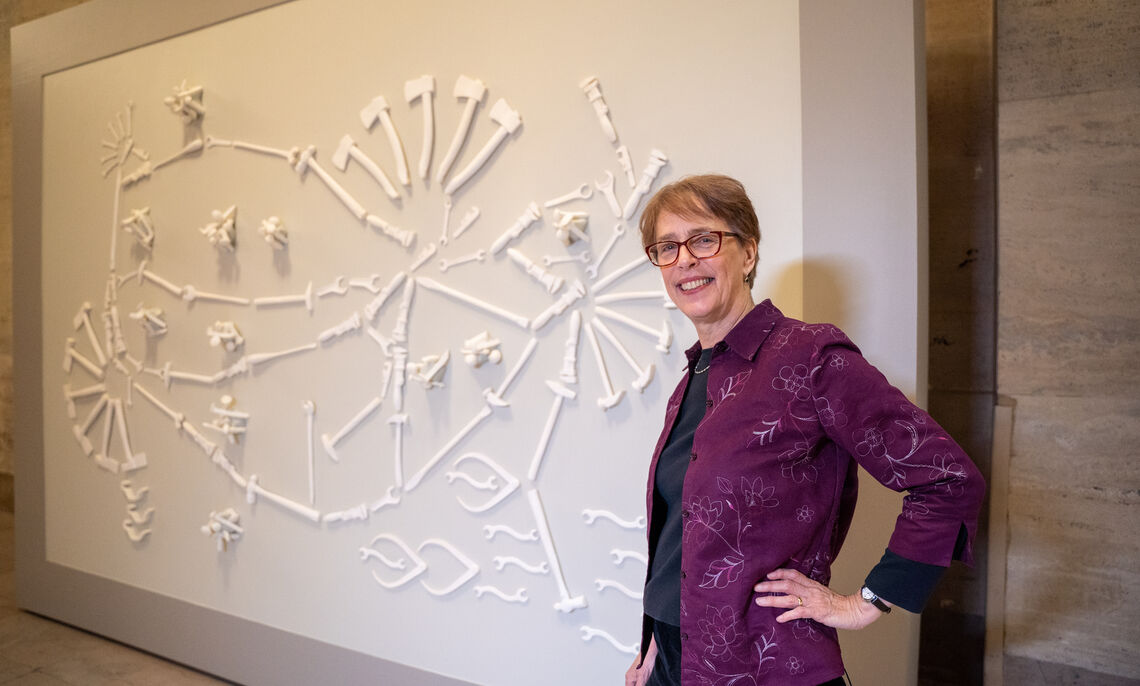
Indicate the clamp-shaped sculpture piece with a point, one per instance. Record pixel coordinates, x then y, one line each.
510 483
470 568
370 552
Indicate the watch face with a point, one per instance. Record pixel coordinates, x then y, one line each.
867 594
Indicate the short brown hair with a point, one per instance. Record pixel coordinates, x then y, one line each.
707 195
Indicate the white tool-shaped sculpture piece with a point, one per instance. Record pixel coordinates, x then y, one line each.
372 308
71 396
573 294
626 296
478 256
430 370
644 373
569 372
470 568
593 92
528 217
561 393
589 632
657 160
423 89
626 163
620 556
306 160
592 269
481 415
510 483
377 110
603 584
305 299
566 602
481 349
274 233
466 222
348 149
350 324
492 530
370 553
223 527
221 232
474 302
608 280
139 225
471 92
606 186
582 192
663 336
151 319
592 515
227 421
82 320
70 355
503 561
612 396
226 335
330 442
509 121
186 102
310 410
551 282
400 331
497 397
518 596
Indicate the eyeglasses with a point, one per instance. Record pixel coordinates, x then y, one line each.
701 246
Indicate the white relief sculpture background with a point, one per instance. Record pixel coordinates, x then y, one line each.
391 369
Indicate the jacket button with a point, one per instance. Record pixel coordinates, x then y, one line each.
693 456
708 402
684 637
683 575
720 347
684 514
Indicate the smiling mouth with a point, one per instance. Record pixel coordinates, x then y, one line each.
697 283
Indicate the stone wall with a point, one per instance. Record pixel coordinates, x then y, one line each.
1068 91
12 12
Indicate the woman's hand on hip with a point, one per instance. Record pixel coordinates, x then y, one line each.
637 676
808 599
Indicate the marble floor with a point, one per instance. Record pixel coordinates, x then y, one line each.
39 652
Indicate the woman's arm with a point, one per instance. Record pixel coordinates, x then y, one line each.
638 672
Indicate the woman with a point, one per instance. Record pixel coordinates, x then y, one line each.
753 481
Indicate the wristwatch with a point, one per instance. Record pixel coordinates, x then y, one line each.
870 597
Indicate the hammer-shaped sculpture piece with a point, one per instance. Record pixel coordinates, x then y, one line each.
70 354
422 89
644 375
471 91
348 149
83 319
509 121
612 397
664 336
378 110
566 602
306 161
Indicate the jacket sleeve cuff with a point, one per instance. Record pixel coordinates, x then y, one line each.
902 582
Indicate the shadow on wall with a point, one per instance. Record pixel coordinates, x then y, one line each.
826 284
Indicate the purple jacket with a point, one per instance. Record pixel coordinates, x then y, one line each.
792 409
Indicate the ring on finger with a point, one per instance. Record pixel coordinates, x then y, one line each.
799 601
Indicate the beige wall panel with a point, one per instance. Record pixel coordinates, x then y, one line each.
1066 46
1072 581
1070 204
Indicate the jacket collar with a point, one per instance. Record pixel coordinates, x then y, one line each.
747 336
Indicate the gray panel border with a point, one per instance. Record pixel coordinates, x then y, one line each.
245 651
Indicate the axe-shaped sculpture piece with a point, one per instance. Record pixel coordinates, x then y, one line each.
378 110
471 91
509 121
423 88
347 149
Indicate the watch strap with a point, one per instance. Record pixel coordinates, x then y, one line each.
874 599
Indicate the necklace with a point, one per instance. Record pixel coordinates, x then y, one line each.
708 362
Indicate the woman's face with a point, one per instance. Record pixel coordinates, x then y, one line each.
710 292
